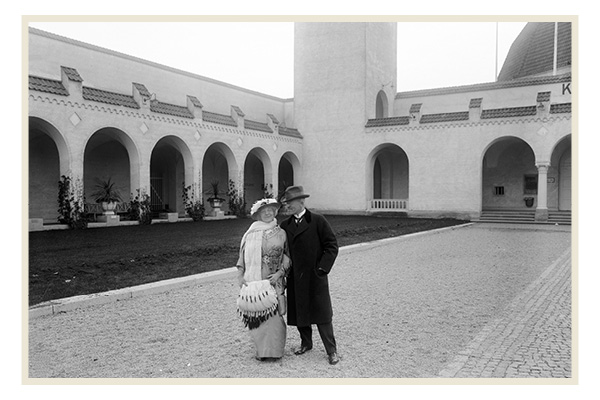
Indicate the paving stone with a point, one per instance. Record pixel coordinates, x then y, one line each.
468 302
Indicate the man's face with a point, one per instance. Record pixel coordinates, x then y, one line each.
295 206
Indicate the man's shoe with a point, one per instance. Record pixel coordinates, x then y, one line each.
303 349
333 358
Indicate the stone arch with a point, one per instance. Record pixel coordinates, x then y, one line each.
171 167
48 159
258 174
288 171
111 153
509 174
219 165
559 176
387 185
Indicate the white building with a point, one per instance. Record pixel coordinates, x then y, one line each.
354 143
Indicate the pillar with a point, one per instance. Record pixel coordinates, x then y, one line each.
541 212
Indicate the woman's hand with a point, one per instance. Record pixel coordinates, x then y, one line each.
273 278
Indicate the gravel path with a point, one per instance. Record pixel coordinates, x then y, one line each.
402 309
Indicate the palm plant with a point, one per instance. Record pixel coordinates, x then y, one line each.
106 192
215 191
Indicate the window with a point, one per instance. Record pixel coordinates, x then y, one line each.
498 190
381 105
530 184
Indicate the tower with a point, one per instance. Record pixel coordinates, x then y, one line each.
344 74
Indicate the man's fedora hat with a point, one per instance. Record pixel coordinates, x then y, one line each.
292 193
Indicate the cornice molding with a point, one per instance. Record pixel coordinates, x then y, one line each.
499 121
130 113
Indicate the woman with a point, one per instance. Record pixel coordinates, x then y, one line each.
262 266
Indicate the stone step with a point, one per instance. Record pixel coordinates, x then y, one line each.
523 216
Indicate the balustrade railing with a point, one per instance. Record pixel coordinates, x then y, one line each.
387 205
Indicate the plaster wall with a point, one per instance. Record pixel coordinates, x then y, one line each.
109 70
446 162
335 87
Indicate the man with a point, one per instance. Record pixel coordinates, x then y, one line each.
313 249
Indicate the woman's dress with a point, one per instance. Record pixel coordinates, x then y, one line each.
269 337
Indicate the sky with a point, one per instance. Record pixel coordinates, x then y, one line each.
260 55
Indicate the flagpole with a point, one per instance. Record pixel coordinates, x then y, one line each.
496 71
555 48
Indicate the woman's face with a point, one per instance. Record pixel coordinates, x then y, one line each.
267 214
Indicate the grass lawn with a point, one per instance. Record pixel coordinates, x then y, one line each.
75 262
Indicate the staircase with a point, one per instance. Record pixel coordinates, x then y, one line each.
523 217
560 217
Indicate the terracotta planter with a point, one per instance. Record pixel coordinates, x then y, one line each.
109 207
216 203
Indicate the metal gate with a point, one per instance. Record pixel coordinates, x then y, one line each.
156 194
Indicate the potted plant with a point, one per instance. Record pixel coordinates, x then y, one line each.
528 201
107 195
215 201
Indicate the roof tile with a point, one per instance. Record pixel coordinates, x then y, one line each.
509 112
543 96
142 89
532 52
285 131
445 117
387 121
170 109
560 108
47 85
218 118
257 126
72 74
415 108
475 103
238 111
195 101
103 96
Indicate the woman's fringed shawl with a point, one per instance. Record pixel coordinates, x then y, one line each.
257 300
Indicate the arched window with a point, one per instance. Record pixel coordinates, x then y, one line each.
381 105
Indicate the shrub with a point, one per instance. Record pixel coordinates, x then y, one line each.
139 208
71 203
193 202
267 191
237 203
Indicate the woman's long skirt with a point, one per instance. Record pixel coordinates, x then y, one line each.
269 337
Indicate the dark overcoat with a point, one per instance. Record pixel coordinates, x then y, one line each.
313 249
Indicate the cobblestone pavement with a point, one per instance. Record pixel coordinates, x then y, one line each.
477 301
531 339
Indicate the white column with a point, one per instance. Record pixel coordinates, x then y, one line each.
541 212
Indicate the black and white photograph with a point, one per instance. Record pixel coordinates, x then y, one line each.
300 200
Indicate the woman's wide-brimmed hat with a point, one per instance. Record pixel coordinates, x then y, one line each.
262 203
292 193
